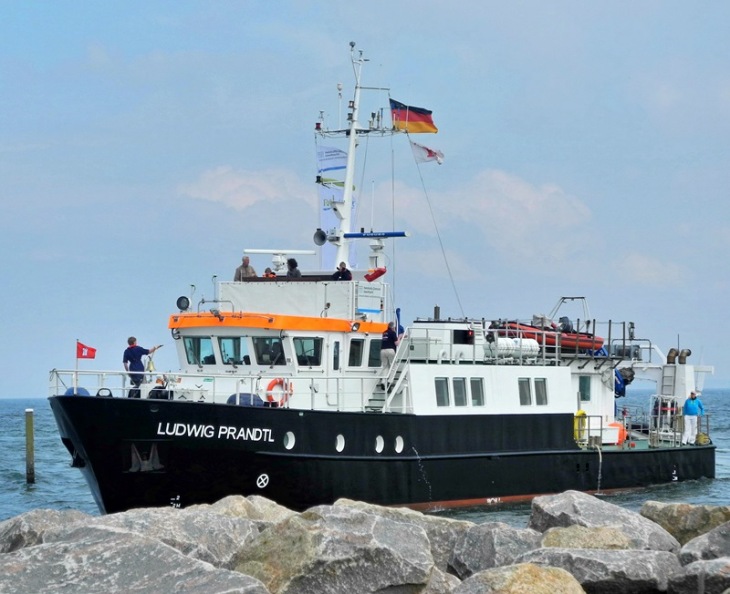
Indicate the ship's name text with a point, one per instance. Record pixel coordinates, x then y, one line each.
211 431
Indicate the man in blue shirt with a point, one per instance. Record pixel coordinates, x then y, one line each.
691 410
133 362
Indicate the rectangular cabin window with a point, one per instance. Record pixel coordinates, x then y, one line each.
463 336
199 350
374 352
584 388
357 348
308 350
541 391
459 391
442 391
525 391
336 356
234 350
269 350
477 391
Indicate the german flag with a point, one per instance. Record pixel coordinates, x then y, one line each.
411 119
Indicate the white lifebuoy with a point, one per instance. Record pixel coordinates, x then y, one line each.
287 389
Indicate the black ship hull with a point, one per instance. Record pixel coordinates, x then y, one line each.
141 453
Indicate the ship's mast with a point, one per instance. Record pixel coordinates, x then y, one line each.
345 212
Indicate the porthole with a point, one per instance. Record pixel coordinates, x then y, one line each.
398 444
379 444
340 445
289 440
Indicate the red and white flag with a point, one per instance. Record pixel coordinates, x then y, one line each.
84 352
424 154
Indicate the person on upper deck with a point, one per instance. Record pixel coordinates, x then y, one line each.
244 271
342 273
133 363
268 273
293 269
388 346
691 410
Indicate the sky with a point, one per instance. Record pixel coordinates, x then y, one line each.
145 145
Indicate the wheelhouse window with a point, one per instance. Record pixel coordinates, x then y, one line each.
541 398
459 391
442 391
269 350
525 391
374 353
357 348
308 350
199 350
336 355
477 391
234 350
584 388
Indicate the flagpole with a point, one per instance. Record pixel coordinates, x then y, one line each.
76 373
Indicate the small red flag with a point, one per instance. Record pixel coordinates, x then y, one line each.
84 352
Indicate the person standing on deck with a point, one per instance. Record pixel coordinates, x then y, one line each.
387 348
133 363
691 410
244 271
342 273
293 269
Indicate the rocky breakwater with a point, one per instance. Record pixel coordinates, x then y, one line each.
573 543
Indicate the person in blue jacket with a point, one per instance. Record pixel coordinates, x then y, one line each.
691 410
133 362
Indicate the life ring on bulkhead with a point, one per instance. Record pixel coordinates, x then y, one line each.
287 389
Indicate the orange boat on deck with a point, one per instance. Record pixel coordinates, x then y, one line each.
578 341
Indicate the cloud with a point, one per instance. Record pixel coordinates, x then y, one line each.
241 189
647 270
520 220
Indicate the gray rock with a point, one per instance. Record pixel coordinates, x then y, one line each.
443 533
200 534
580 537
334 549
600 571
28 529
575 508
705 577
491 545
103 560
438 583
712 545
524 578
254 507
684 521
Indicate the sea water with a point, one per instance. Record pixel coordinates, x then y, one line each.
59 486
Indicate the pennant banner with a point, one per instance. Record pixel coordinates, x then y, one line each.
84 352
411 119
423 154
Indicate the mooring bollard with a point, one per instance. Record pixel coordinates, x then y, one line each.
29 449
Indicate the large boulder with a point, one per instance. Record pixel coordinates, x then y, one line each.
254 507
199 534
580 537
524 578
492 544
339 549
712 545
28 529
442 533
705 577
600 570
575 508
110 559
684 521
